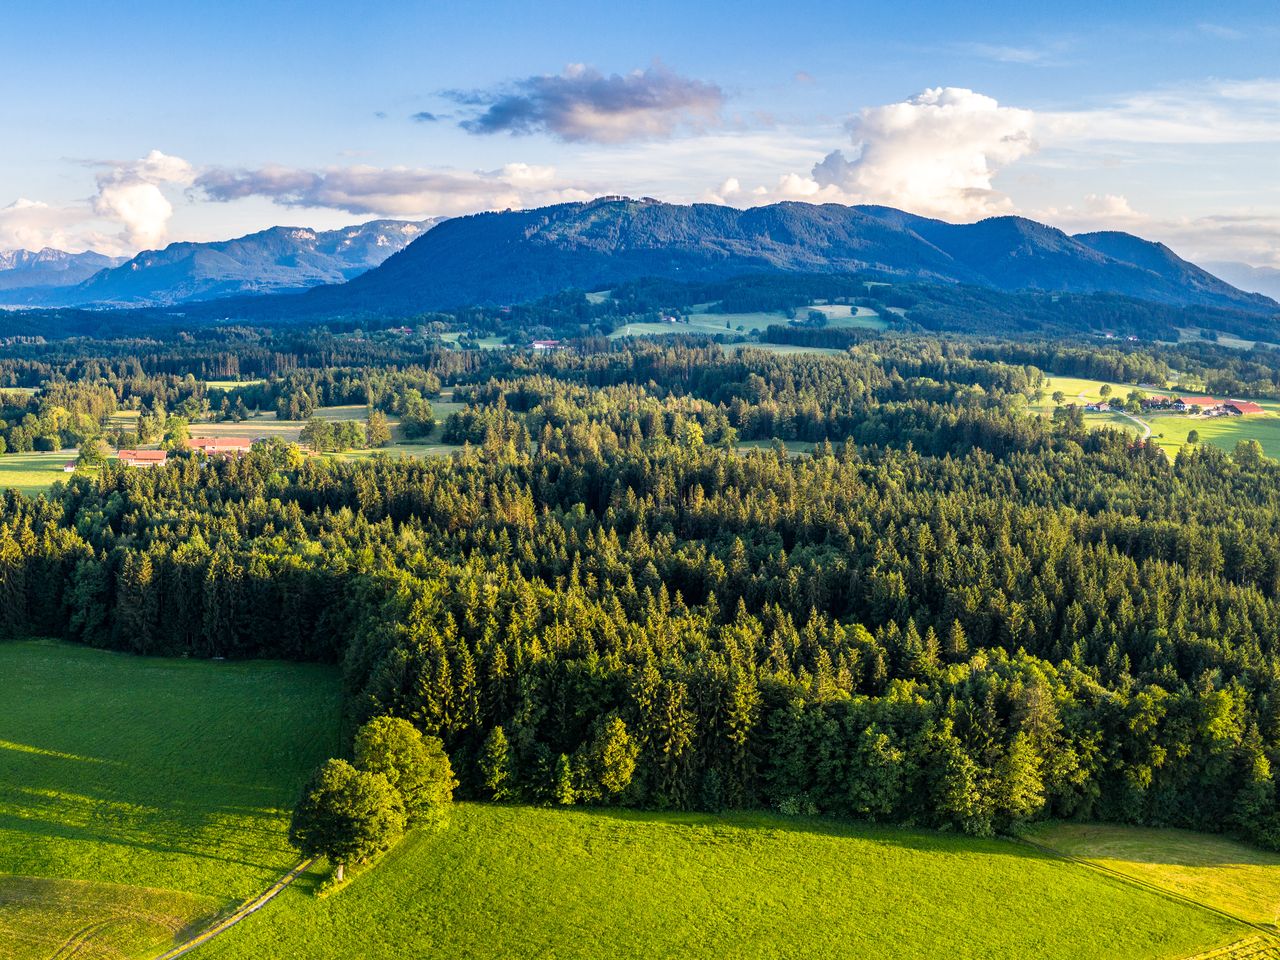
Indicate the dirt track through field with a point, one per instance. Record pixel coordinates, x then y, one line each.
253 906
1146 427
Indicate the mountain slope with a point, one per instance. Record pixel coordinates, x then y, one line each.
49 267
281 259
1158 259
519 255
1263 280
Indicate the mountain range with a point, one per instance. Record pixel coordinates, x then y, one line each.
277 260
34 269
1264 280
393 267
512 256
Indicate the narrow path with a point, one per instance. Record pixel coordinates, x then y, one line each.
1146 427
225 924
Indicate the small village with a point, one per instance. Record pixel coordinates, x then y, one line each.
1186 405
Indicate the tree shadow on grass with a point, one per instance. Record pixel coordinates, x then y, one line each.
764 822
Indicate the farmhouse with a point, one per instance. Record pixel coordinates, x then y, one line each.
545 344
1241 408
221 446
1206 404
69 467
142 458
1155 402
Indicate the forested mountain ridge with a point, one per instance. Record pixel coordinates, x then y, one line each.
515 256
280 259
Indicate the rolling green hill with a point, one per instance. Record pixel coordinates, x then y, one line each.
520 882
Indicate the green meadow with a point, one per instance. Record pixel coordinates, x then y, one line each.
702 321
1169 430
1212 870
33 473
520 882
140 797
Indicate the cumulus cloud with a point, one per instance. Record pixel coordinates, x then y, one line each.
393 191
1097 211
582 104
129 209
936 153
32 225
424 116
130 193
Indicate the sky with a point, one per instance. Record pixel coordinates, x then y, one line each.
129 124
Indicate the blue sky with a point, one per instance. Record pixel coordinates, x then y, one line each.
133 124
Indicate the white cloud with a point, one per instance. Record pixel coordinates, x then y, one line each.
130 193
393 191
32 225
936 153
1218 112
129 210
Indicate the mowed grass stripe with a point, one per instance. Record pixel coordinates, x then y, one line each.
517 882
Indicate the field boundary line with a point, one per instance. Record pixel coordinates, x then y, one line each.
245 910
1270 932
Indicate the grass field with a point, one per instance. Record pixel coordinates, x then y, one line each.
1214 870
33 473
702 321
139 796
518 882
231 384
1170 430
484 343
843 315
711 324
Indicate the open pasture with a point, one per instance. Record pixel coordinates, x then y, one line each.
33 473
522 882
141 796
1213 870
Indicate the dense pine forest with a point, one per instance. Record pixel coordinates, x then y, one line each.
865 584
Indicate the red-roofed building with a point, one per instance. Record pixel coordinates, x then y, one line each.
1242 408
221 446
142 458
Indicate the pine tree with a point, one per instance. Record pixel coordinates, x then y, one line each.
495 765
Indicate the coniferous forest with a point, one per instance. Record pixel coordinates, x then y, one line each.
661 574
